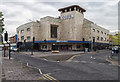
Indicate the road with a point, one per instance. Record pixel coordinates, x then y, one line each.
92 66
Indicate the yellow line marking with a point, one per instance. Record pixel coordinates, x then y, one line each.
50 77
43 77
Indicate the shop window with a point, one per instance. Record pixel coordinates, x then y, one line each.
44 46
54 31
78 46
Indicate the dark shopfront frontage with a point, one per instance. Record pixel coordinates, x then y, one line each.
62 45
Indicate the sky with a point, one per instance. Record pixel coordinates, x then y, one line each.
18 12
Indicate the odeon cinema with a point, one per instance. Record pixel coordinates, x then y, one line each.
70 31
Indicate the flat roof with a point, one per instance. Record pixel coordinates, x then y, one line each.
72 7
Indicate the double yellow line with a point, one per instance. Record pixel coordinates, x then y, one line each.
46 76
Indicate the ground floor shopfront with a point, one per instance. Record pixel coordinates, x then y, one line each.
63 45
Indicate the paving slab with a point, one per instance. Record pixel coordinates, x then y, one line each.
14 70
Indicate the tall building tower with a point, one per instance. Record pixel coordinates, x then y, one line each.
72 21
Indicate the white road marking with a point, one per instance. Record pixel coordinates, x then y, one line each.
40 71
27 63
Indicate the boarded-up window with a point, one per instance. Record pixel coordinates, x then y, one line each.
54 31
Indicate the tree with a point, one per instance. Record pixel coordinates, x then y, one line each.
1 23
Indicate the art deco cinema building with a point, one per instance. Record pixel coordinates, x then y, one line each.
70 31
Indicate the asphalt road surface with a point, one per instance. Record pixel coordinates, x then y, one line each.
92 66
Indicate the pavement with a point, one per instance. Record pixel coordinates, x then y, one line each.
42 54
13 70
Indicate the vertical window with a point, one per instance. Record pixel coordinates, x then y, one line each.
22 31
93 39
28 37
98 38
22 37
105 39
28 29
54 31
101 38
98 31
102 32
93 30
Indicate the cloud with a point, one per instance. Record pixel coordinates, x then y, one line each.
18 13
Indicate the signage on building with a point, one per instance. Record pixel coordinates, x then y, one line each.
67 17
111 42
61 41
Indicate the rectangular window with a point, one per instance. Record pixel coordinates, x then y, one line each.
93 39
28 37
105 39
98 31
28 29
101 38
98 38
102 32
22 37
54 31
18 32
22 31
